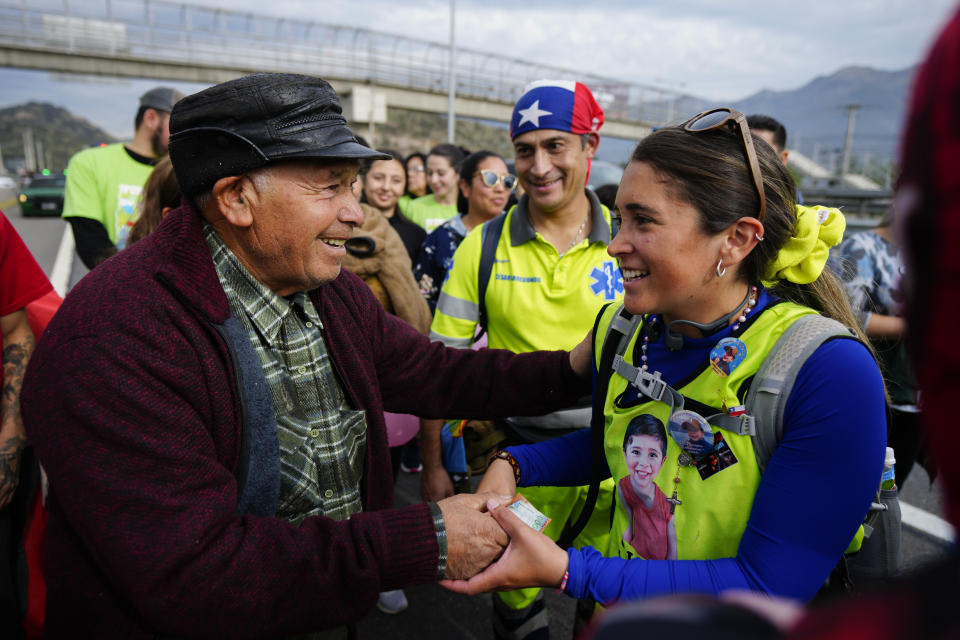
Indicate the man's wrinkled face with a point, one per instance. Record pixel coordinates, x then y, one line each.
303 213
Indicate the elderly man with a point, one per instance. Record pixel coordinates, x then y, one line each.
209 404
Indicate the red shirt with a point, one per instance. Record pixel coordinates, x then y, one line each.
649 525
21 278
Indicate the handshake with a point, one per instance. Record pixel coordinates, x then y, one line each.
489 547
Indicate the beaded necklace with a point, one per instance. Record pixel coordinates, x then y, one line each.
652 321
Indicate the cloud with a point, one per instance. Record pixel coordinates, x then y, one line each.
718 51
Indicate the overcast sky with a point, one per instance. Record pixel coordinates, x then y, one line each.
722 51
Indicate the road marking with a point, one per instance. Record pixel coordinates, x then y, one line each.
9 203
926 522
60 275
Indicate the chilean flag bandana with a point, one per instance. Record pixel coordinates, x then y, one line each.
556 104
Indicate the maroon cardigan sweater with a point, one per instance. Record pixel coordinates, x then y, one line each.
132 403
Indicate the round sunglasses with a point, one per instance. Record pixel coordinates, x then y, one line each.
491 179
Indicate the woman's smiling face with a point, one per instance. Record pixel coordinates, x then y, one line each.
441 175
667 260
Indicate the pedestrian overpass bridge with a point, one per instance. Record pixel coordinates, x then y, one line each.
167 40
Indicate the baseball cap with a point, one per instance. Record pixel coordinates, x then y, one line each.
161 98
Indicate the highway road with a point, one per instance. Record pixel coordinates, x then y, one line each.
925 535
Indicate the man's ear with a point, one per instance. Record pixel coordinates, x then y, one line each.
151 118
231 201
593 141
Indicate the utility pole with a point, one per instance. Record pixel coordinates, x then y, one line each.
371 116
452 89
29 158
848 143
41 164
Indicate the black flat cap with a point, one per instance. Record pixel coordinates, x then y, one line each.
247 123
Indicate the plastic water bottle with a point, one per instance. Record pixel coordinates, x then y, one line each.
889 478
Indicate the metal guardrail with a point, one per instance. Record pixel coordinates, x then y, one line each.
166 31
863 208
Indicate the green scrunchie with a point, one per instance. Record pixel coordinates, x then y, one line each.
803 257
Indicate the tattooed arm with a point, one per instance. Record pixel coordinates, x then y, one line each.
17 347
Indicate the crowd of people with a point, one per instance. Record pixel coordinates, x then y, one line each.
275 309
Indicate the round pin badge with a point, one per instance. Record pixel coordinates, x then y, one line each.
727 356
691 432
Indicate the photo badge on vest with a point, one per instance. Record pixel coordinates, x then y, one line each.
709 451
727 356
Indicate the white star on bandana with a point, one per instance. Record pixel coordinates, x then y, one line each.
532 114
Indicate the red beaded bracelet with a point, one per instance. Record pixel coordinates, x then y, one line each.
563 583
505 455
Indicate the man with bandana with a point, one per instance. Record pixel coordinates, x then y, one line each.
102 196
551 275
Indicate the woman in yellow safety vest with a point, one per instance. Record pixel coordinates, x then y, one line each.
718 262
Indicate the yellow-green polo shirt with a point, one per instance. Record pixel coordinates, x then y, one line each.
536 298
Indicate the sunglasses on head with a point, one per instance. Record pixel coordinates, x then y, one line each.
724 116
491 179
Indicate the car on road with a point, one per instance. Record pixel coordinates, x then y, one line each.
603 172
43 196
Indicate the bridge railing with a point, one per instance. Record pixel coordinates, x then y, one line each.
175 33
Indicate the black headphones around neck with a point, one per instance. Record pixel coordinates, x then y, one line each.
674 341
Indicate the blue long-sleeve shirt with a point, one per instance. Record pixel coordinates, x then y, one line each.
812 497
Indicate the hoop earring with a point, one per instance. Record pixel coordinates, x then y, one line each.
721 272
758 237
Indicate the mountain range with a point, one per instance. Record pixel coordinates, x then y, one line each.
816 114
59 132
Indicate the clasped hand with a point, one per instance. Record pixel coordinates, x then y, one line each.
474 538
531 559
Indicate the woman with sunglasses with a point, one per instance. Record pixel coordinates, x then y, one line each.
485 188
714 251
416 168
443 174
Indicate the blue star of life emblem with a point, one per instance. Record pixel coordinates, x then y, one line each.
607 280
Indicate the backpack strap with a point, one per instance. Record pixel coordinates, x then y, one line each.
767 398
491 233
615 341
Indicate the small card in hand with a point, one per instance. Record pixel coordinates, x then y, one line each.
528 513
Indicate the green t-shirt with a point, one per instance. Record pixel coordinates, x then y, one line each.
404 203
428 213
104 184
